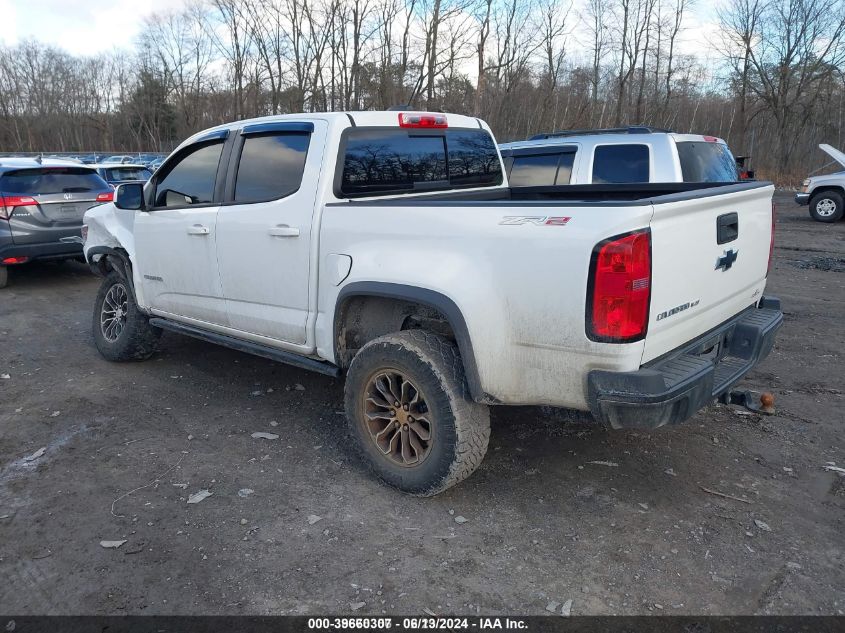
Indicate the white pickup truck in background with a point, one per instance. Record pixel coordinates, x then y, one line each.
825 193
387 246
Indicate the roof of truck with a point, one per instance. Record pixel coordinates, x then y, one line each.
364 118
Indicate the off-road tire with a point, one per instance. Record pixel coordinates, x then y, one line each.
4 276
138 339
823 202
461 426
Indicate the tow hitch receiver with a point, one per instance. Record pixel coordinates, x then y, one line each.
764 405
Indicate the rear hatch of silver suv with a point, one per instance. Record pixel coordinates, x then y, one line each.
46 204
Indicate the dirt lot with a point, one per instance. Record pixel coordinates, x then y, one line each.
127 444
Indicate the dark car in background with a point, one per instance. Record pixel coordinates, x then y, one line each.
41 207
117 174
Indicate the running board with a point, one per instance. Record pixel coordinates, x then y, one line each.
256 349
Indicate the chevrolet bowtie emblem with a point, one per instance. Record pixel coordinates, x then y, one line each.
727 260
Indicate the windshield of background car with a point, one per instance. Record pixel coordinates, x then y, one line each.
390 161
704 161
52 180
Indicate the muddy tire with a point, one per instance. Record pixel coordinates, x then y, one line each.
827 206
121 331
411 413
4 276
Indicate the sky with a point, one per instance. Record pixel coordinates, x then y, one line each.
88 27
81 27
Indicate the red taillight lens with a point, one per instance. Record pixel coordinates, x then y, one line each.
421 119
7 203
771 242
22 259
620 289
105 197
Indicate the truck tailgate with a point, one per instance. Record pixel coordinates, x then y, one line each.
709 259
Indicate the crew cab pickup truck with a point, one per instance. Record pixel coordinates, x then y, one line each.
387 247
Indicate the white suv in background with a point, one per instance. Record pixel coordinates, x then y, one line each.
617 156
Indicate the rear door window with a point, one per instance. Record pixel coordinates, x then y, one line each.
190 180
48 180
620 164
271 166
703 161
401 161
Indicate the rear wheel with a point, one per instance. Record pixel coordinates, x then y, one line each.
121 331
827 206
411 413
4 276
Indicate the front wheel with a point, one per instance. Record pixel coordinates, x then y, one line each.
121 331
827 206
411 414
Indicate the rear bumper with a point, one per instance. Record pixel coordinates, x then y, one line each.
48 250
672 388
802 198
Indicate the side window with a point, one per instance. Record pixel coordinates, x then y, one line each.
271 166
190 180
620 164
534 171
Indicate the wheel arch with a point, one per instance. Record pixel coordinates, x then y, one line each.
411 295
113 259
822 188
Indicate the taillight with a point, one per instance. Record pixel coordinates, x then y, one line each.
8 203
105 197
619 288
771 241
20 259
421 119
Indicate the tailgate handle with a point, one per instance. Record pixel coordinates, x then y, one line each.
727 228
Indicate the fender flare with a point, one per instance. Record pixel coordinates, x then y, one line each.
118 260
423 296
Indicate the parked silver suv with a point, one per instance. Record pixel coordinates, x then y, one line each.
41 207
618 156
825 194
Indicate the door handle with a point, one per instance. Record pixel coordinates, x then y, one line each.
198 229
283 230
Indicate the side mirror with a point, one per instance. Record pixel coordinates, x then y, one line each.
129 196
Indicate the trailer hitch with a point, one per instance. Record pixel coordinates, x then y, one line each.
764 404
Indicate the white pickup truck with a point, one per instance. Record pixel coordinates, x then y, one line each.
387 246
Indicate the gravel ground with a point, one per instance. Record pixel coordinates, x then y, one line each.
561 509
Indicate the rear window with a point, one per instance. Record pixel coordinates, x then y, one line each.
702 161
620 164
52 180
400 161
541 170
127 173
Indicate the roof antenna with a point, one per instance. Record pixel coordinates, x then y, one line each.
38 159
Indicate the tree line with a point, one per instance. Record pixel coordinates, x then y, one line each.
771 82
